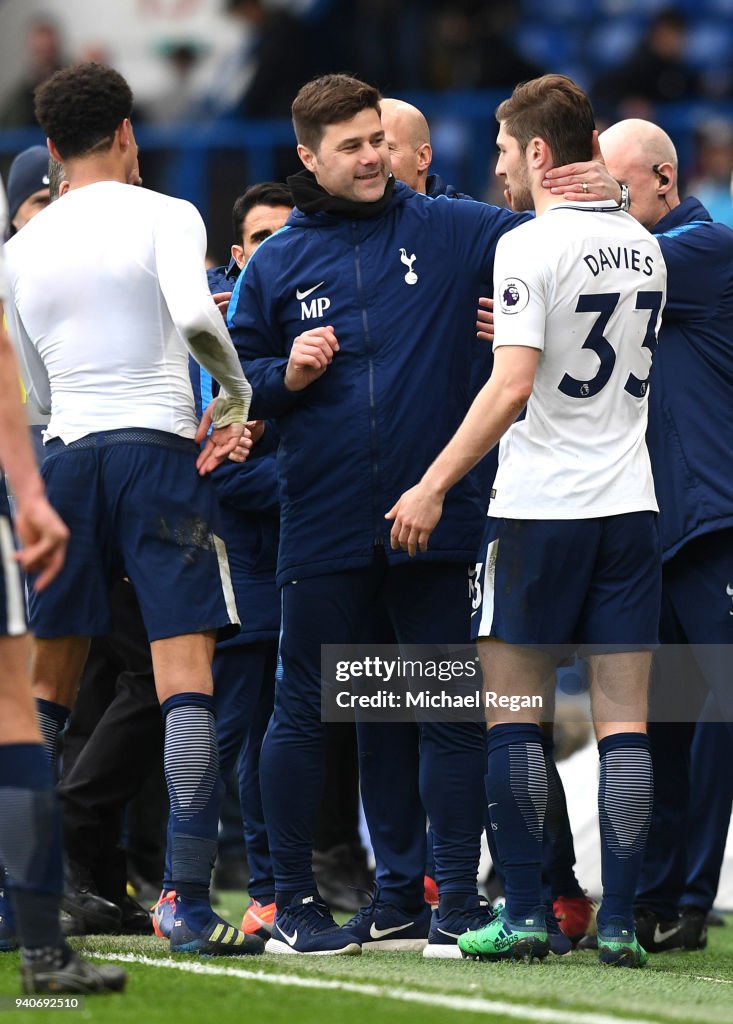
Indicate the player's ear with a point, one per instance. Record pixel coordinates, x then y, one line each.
54 152
538 153
124 133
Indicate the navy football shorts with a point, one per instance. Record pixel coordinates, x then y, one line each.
12 597
570 582
135 506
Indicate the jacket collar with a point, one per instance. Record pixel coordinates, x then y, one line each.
299 218
689 209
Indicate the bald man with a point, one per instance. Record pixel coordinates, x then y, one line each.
690 440
647 158
408 138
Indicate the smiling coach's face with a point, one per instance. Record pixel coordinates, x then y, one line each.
352 161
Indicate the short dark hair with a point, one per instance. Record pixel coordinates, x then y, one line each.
555 109
266 193
80 107
329 99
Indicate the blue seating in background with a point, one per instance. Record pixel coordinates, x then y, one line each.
553 47
710 43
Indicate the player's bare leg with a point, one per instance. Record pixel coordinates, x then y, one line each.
18 723
57 666
619 691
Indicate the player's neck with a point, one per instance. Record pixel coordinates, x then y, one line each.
90 170
542 198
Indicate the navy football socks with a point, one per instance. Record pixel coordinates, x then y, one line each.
31 844
52 719
191 761
516 786
625 796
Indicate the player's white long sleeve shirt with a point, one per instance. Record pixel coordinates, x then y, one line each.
108 295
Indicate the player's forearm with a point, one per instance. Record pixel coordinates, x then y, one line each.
493 411
216 353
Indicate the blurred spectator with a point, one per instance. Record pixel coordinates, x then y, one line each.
714 163
44 56
655 72
384 42
263 75
472 47
175 99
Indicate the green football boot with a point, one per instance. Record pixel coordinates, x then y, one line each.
505 938
618 946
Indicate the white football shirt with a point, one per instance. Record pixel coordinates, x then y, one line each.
106 283
586 286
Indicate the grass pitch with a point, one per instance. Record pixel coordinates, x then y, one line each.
393 987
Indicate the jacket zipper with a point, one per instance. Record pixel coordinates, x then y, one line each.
372 403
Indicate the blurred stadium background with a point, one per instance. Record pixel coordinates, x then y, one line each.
213 79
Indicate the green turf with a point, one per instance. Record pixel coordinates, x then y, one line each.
671 989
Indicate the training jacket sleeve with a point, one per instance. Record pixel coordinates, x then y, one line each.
480 226
252 320
698 271
250 486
